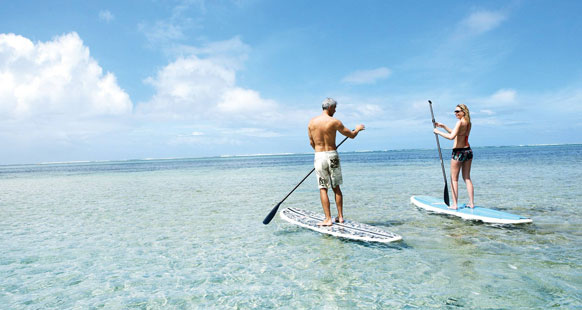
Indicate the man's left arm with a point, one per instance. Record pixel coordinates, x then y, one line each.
350 133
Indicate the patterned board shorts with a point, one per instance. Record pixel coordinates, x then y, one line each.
462 154
328 169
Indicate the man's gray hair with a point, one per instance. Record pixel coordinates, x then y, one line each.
328 103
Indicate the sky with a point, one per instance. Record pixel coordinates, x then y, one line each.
118 80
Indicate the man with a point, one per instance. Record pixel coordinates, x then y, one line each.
322 130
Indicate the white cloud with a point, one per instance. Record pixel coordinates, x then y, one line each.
361 111
239 100
256 132
480 22
57 79
56 101
188 88
185 16
367 76
223 136
162 32
567 101
460 53
106 16
485 112
501 98
230 53
195 88
504 96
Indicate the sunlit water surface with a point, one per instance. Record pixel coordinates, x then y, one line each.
188 234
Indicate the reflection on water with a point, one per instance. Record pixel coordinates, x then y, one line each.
188 233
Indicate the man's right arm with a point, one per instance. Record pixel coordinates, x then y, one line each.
349 133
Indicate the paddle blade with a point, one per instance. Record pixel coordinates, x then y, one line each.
446 195
270 216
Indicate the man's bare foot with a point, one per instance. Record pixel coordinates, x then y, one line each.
325 223
452 208
339 219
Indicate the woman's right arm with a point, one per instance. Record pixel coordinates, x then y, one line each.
443 126
452 133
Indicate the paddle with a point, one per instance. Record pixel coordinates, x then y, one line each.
446 194
271 214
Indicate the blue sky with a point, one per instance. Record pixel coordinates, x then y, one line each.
107 80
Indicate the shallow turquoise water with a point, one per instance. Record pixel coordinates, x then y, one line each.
187 234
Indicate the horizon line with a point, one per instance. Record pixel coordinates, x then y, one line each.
263 155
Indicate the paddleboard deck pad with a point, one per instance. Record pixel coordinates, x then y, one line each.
348 229
477 214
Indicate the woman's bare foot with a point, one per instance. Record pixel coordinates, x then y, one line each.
326 222
339 219
452 208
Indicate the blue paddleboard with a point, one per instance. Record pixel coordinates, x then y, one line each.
477 214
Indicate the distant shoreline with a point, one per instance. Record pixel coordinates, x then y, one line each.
267 155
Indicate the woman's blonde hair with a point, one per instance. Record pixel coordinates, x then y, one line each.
467 116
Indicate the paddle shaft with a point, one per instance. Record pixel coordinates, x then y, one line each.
446 194
271 214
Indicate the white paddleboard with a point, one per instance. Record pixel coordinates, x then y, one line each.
348 229
485 215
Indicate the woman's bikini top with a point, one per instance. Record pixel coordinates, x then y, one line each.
466 135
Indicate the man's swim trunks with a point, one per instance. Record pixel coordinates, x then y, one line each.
462 154
328 169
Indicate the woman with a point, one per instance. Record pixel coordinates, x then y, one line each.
462 154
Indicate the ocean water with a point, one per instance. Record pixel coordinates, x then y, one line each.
188 234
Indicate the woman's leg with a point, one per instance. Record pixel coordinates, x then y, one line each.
467 177
455 168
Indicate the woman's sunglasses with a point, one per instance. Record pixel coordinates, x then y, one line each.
458 111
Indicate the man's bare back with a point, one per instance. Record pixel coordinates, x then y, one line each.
322 131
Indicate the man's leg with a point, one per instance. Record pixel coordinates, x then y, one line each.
339 202
325 205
